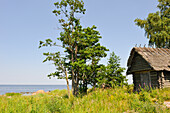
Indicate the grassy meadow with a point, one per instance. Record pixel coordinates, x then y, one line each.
116 100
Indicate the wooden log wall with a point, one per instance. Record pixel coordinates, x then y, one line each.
160 83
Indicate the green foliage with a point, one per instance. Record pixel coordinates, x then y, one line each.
111 75
13 94
98 101
144 96
66 11
157 25
82 50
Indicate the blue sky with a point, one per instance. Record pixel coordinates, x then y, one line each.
23 23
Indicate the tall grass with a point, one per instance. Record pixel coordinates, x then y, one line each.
116 100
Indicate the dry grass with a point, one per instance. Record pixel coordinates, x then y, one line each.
101 100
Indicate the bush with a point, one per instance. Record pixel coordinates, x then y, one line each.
13 94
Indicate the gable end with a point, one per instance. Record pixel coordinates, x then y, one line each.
138 63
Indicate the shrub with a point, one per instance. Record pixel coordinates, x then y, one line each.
13 94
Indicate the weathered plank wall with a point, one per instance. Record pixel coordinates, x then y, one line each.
166 81
149 78
136 81
139 64
154 79
145 79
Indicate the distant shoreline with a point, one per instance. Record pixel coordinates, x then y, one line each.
29 88
33 84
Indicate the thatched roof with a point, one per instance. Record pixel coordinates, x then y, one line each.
157 58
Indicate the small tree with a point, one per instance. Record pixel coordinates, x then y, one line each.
157 25
81 45
111 75
61 67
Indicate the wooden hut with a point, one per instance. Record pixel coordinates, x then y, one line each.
149 67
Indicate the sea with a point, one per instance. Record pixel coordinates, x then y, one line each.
28 89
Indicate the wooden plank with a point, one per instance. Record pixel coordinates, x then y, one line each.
139 64
154 79
145 79
167 82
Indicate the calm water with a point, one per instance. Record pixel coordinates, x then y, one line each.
29 88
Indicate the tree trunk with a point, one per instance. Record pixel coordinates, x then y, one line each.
77 83
94 85
76 77
74 80
72 71
67 84
85 87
